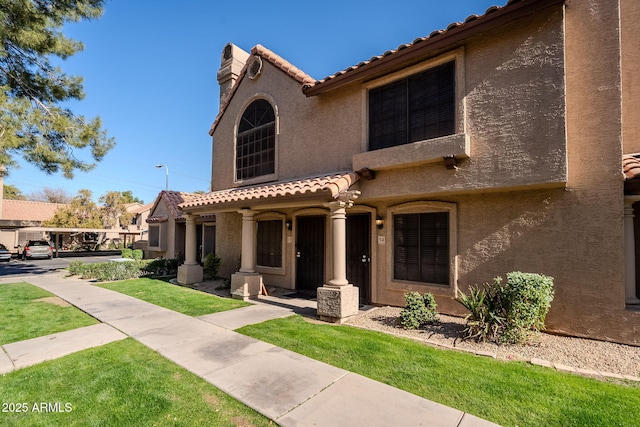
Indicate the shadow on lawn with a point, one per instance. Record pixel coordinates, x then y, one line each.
451 330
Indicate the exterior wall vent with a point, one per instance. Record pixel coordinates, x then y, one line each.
255 68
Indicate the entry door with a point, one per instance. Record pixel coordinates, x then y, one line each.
359 252
310 252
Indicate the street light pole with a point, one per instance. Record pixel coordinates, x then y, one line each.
166 168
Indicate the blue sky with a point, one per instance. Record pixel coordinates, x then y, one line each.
149 69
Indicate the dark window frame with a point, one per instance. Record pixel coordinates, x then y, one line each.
419 107
422 247
269 238
256 141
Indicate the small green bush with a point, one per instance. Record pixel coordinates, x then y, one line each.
420 310
137 254
126 253
211 266
76 267
510 312
162 267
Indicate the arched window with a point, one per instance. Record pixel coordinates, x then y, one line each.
255 146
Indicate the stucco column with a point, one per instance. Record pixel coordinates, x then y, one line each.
630 252
246 283
190 241
190 272
338 299
248 259
339 243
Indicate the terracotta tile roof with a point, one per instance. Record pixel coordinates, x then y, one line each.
273 58
631 166
172 200
333 185
422 45
25 210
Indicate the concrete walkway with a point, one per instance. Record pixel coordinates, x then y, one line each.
291 389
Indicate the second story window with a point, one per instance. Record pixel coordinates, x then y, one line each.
255 145
416 108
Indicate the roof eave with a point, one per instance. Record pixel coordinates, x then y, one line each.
512 11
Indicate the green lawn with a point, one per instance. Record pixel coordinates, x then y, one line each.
177 298
508 393
23 317
119 384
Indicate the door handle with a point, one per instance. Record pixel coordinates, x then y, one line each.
298 254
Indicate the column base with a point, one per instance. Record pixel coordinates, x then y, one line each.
189 274
246 286
336 304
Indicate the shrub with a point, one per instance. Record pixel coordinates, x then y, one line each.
162 267
137 253
419 311
211 266
106 271
526 299
76 267
508 313
484 320
126 253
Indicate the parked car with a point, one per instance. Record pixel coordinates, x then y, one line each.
5 254
35 249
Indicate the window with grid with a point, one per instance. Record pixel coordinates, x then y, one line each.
421 247
413 109
255 146
269 244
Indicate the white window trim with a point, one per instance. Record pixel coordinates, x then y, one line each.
263 178
425 207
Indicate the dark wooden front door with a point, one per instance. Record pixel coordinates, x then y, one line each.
359 252
310 252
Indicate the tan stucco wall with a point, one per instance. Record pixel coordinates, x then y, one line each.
630 63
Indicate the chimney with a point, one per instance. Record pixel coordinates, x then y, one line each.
3 172
233 59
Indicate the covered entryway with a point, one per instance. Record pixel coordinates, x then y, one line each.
310 245
359 253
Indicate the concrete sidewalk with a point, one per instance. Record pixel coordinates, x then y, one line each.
291 389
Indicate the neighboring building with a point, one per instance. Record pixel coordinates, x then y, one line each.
495 145
18 217
166 228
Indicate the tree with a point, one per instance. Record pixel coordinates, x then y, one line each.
33 120
129 198
82 212
51 195
11 192
114 211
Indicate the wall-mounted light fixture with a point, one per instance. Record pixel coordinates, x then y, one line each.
288 224
379 222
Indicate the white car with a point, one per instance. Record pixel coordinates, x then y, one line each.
35 249
5 254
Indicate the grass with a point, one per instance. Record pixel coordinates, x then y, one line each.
507 393
119 384
23 317
183 300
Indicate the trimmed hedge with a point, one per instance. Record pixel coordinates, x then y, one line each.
107 271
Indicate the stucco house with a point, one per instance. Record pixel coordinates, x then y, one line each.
166 228
491 146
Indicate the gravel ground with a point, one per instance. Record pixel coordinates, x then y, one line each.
562 352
